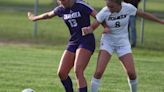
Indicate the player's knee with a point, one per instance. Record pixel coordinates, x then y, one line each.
62 75
98 75
79 73
132 75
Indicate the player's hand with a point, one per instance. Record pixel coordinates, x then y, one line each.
106 30
86 30
162 21
31 16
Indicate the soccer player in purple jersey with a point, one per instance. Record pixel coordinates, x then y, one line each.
76 15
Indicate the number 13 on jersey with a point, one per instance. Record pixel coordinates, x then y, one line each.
72 22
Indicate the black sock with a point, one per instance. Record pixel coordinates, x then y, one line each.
67 84
83 89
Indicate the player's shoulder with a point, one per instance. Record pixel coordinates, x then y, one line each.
82 3
59 10
59 7
127 5
103 14
105 10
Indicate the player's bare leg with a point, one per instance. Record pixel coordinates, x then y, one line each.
127 61
102 62
66 64
81 61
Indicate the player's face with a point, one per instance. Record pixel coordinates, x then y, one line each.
65 3
112 5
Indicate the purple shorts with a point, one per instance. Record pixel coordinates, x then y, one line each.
86 43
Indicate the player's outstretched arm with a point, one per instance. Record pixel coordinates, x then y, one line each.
91 28
106 28
93 14
149 16
95 25
46 15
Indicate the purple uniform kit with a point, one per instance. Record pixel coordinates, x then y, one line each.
77 17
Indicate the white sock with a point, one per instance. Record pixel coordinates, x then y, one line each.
95 84
133 85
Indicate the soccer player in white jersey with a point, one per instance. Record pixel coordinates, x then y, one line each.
116 15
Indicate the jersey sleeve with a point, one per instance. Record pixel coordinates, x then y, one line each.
58 11
101 16
132 9
86 8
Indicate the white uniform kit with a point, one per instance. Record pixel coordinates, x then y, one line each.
118 39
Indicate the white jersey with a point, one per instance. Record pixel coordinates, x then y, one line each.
118 24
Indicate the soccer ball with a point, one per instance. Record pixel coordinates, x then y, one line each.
28 90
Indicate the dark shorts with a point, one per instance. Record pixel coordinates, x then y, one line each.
86 43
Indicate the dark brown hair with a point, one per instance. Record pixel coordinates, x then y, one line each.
118 1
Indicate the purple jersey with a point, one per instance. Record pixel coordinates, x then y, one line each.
76 17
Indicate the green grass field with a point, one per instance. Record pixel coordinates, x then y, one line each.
32 62
26 66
